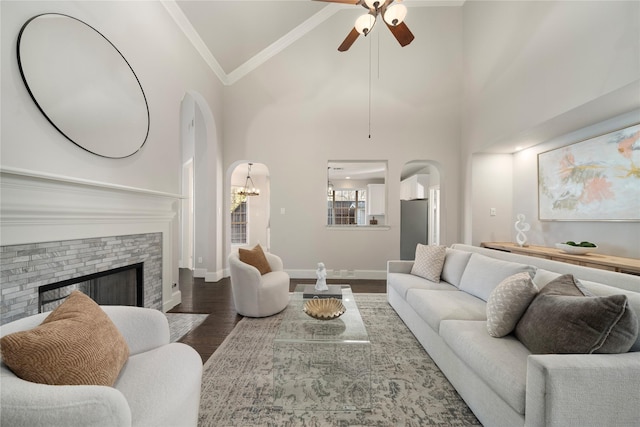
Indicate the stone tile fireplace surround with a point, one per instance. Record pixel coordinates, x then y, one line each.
53 228
27 267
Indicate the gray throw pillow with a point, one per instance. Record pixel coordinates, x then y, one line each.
562 319
429 261
507 302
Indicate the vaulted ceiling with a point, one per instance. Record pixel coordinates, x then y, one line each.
236 36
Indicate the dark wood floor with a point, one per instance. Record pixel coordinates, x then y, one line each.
215 299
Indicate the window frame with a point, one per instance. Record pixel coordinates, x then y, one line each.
359 214
237 201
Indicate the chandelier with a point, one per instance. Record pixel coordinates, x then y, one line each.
248 190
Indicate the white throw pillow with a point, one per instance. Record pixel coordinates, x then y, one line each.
482 274
429 261
508 302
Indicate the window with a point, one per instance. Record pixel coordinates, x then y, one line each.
346 207
239 219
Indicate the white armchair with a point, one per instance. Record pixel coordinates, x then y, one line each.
256 295
159 385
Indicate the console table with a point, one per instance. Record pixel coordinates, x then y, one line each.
594 260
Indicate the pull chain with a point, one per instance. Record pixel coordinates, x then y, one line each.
370 88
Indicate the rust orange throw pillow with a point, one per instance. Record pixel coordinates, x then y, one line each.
256 258
77 344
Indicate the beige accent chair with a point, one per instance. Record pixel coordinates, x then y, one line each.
256 295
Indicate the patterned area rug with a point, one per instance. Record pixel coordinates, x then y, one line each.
407 388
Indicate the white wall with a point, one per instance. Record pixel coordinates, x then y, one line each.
492 188
528 62
535 72
614 238
294 115
531 69
167 66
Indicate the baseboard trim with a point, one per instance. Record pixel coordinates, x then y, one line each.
215 276
340 274
176 298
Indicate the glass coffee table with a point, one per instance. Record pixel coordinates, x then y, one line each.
322 364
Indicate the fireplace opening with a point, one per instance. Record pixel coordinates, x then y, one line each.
118 286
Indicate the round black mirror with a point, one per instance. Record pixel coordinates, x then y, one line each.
83 85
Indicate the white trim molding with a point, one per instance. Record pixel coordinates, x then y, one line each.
38 207
276 47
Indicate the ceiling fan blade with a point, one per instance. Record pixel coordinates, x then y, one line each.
402 33
351 37
341 1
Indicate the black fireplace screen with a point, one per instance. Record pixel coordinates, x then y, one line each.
118 286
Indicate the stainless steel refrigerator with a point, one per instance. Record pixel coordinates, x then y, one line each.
414 219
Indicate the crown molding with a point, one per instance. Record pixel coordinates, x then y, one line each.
285 41
279 45
185 25
273 49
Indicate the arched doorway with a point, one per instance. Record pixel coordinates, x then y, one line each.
248 216
200 229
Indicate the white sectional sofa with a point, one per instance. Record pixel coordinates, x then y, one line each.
503 383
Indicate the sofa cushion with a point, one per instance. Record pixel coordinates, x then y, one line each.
561 319
77 344
483 274
402 282
429 261
455 262
508 302
435 306
256 258
500 362
543 277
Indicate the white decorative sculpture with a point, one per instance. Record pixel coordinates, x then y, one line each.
321 273
521 227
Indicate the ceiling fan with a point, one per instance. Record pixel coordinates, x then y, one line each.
392 13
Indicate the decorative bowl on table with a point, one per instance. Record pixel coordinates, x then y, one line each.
324 308
576 249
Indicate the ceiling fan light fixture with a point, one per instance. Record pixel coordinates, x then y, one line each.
364 23
395 14
373 4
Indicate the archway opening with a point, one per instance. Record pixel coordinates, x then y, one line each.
249 215
200 244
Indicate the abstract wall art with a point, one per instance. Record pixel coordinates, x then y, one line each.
593 180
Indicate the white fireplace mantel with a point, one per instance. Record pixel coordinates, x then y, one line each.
39 207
